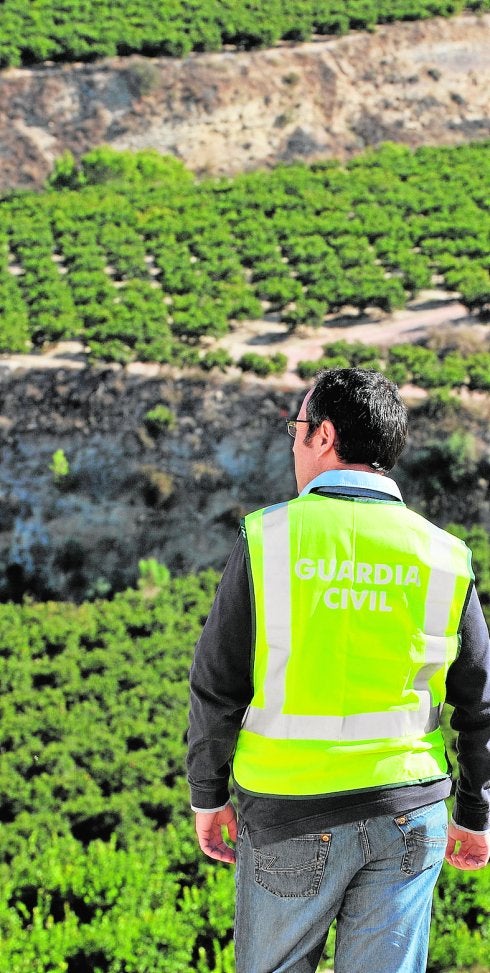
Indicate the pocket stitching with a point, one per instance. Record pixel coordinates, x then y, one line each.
316 867
413 840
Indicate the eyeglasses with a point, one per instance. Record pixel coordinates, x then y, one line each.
291 426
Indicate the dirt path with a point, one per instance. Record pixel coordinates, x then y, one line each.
431 311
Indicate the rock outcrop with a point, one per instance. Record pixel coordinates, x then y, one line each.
133 491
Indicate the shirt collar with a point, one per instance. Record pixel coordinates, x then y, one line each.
354 478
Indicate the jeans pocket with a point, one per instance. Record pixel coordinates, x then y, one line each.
292 868
424 832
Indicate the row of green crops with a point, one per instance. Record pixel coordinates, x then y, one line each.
100 868
133 256
403 363
37 30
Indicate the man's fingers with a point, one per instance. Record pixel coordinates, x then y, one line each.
209 833
466 850
451 844
221 852
232 825
465 859
218 849
466 863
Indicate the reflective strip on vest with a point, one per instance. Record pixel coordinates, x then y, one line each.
277 609
271 721
359 726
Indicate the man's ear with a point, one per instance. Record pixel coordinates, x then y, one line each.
326 437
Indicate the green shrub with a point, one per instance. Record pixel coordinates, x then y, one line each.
263 365
279 291
306 311
65 173
357 353
397 372
160 418
185 356
475 289
153 574
479 371
453 371
59 465
309 369
219 358
440 403
110 350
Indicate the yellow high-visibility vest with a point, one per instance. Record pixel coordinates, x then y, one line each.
357 608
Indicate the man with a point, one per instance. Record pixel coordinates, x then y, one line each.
341 622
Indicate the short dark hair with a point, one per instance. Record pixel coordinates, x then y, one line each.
367 412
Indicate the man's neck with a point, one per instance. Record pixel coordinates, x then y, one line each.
357 467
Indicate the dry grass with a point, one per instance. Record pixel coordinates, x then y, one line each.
466 339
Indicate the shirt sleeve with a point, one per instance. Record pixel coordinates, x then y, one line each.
220 685
468 690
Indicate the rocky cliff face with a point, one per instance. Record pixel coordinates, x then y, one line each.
132 491
176 493
416 83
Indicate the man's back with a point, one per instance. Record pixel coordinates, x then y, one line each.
323 664
357 606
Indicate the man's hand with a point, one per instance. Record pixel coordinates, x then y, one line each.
473 849
209 833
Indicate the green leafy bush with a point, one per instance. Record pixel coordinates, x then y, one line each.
440 403
279 291
219 358
479 370
153 574
309 369
262 364
59 465
357 354
160 418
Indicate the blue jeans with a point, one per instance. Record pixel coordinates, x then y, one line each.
376 877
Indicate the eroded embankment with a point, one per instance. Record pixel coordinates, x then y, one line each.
175 490
421 83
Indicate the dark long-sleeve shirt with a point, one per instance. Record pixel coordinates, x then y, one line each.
221 689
